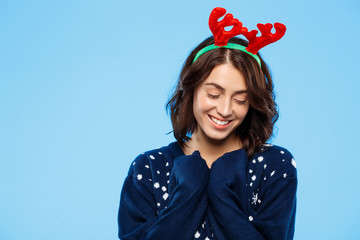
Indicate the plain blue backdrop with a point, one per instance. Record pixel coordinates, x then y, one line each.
83 86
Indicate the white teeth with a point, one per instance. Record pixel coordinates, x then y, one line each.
219 122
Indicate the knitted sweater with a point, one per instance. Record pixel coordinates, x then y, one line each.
171 196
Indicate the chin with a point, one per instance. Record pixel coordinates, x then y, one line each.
219 138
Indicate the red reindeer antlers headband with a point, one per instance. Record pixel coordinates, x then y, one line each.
221 36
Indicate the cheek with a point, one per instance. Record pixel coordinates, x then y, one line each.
242 111
202 103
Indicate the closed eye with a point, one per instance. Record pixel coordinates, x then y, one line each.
213 96
240 101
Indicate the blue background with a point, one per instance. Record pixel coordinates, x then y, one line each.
83 86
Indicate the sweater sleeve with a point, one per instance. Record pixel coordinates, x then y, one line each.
138 218
274 217
230 212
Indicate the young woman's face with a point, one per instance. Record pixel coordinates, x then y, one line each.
220 103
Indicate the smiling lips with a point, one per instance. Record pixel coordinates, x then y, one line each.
219 124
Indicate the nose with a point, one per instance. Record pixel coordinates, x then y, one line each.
224 108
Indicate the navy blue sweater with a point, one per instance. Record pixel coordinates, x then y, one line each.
168 196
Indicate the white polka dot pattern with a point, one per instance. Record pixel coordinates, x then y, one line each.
261 169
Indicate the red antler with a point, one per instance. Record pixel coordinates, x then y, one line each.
221 36
256 43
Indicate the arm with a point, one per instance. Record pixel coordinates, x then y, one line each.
275 217
138 218
230 212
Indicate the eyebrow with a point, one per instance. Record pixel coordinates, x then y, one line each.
223 89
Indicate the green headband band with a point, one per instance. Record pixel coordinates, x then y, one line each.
229 45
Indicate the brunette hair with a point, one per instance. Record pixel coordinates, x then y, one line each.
258 124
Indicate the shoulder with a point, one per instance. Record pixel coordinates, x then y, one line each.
275 152
275 159
147 160
272 176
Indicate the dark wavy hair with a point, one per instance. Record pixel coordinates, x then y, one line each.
257 127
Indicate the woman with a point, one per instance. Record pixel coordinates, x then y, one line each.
219 180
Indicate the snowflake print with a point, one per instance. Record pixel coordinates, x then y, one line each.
165 196
254 198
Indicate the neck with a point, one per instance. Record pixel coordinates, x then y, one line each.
211 149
